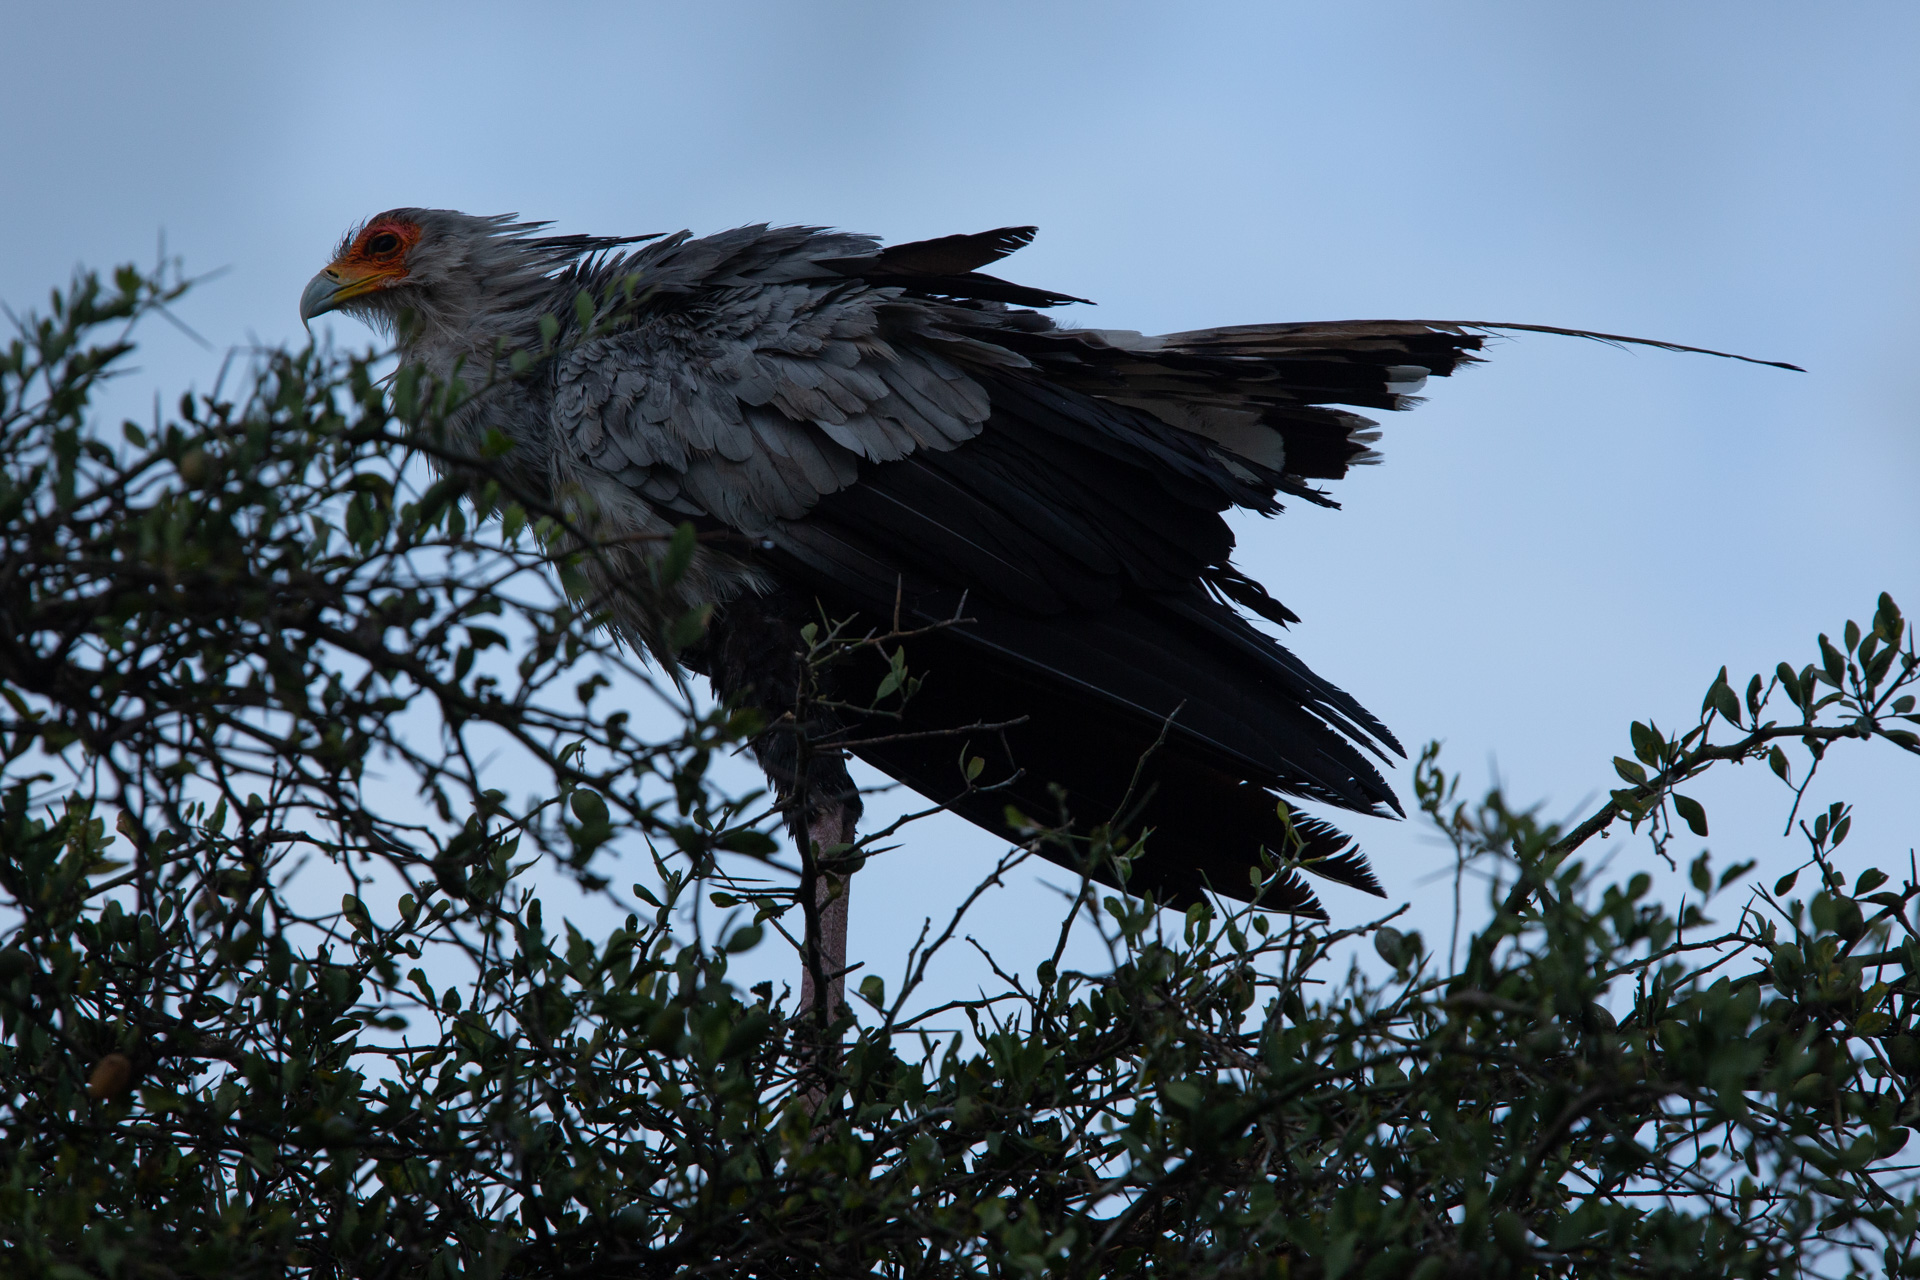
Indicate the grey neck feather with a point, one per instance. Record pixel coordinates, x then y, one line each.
482 285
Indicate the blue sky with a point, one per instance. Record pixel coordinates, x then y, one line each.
1565 539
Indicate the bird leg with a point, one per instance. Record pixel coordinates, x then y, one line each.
823 975
823 956
758 653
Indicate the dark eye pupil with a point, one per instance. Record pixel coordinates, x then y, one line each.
385 242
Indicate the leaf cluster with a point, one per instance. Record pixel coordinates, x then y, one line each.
280 996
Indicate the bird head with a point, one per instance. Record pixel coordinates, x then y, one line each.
373 260
403 260
453 273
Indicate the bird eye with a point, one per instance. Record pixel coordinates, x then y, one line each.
383 244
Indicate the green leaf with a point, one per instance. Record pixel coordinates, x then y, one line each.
1833 666
1784 885
1390 943
687 629
418 978
665 1027
1874 667
1510 1233
588 806
1870 879
1691 813
745 938
747 840
406 392
1777 761
1647 744
1887 623
1791 683
1629 771
1182 1094
873 989
679 554
746 1036
1723 700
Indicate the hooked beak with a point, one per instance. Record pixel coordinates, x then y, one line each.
338 285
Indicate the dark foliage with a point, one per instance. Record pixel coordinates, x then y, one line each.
276 1000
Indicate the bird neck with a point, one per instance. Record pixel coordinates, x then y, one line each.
470 348
474 342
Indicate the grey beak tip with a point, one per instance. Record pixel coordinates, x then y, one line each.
317 298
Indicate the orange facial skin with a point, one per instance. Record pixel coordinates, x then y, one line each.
375 258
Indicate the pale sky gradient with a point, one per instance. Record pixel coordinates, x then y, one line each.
1565 539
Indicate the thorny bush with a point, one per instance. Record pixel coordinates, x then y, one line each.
255 656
